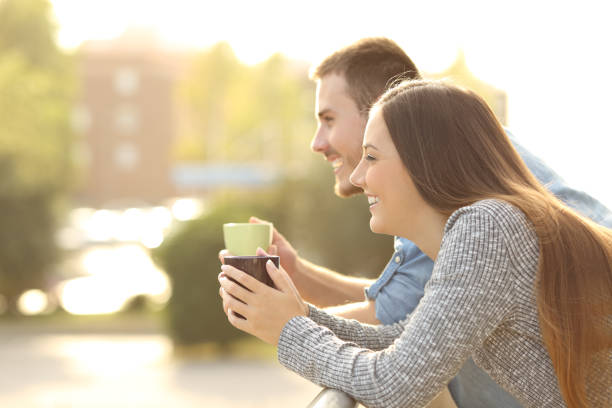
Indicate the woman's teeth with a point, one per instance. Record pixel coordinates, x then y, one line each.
336 163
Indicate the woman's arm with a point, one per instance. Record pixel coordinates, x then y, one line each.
470 293
372 337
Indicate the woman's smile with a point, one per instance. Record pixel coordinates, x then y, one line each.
373 200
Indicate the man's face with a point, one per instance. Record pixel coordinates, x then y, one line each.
340 131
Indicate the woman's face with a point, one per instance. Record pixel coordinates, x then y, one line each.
395 203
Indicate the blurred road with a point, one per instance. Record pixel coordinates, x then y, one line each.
40 370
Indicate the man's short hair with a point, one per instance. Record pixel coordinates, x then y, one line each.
369 66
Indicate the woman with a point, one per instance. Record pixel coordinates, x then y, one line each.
521 282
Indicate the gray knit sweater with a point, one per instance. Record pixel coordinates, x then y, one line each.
480 302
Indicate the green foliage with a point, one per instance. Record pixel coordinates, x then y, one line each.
35 134
245 113
36 93
326 229
27 29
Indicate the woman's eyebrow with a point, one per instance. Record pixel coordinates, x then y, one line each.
365 146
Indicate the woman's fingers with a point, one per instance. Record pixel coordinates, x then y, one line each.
234 289
237 322
256 308
222 254
235 310
283 282
225 305
243 278
231 303
279 277
223 294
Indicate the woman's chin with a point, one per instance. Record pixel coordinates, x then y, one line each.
375 226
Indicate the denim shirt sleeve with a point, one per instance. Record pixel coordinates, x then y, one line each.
578 200
400 287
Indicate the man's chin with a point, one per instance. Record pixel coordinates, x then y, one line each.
346 189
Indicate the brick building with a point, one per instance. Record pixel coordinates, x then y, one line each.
126 119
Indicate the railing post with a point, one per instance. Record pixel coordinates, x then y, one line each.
331 398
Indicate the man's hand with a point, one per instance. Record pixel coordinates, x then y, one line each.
317 285
281 247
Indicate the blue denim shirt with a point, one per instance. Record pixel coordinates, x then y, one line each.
400 287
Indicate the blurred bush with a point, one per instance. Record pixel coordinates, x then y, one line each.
189 256
325 229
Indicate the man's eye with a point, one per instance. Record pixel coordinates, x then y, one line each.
328 119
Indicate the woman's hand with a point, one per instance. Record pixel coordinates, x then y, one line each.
266 310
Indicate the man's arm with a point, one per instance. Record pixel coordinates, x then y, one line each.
317 285
364 312
323 287
340 295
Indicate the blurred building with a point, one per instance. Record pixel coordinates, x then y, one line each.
460 74
129 120
126 119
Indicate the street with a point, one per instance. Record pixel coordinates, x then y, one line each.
40 370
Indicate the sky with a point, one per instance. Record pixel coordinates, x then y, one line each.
552 58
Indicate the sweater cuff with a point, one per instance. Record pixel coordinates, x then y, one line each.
320 316
291 341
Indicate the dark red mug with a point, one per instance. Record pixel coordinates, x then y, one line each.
254 266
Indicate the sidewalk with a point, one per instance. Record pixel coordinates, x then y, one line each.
64 370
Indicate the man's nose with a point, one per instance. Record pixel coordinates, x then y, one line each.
319 143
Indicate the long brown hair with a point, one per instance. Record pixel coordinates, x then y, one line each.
457 153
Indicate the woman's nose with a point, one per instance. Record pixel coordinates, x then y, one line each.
357 176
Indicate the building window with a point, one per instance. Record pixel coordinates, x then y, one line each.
126 81
126 156
126 119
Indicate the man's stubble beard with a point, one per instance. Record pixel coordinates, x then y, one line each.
346 190
343 187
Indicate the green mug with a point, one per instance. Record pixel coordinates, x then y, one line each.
243 239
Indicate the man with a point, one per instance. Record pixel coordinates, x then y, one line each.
348 82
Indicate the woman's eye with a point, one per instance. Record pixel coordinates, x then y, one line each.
369 157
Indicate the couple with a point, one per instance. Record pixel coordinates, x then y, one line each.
520 282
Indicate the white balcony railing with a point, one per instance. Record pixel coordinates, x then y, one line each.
331 398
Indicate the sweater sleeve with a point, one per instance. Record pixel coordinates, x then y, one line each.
468 296
364 335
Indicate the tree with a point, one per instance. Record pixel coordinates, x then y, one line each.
237 112
37 87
